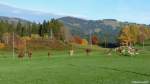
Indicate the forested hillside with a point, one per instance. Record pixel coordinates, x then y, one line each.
71 28
105 29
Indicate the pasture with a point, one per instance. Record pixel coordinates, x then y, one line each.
60 68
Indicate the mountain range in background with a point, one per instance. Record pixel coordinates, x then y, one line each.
107 28
34 16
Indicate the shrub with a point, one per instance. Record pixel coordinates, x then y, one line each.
2 45
84 42
26 38
95 40
77 40
35 36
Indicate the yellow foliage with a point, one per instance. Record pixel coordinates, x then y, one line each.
35 36
26 38
132 34
2 45
46 36
128 35
84 42
6 34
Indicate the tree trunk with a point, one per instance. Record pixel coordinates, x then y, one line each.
143 44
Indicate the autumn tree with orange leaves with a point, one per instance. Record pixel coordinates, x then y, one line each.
132 34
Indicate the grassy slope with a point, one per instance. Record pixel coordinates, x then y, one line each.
79 69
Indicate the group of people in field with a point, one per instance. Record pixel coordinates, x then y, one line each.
122 50
29 53
87 51
21 54
127 50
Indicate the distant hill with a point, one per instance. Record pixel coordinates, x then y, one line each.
13 20
82 27
109 28
34 16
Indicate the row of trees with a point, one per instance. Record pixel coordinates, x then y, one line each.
51 29
129 35
132 34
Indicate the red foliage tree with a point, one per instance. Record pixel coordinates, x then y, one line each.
77 39
95 40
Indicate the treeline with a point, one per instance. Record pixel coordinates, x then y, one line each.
47 29
130 34
133 34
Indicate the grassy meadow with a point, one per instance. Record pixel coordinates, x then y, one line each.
60 68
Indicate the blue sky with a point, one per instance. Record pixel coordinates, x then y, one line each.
123 10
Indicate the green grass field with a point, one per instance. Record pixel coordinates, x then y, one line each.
98 68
